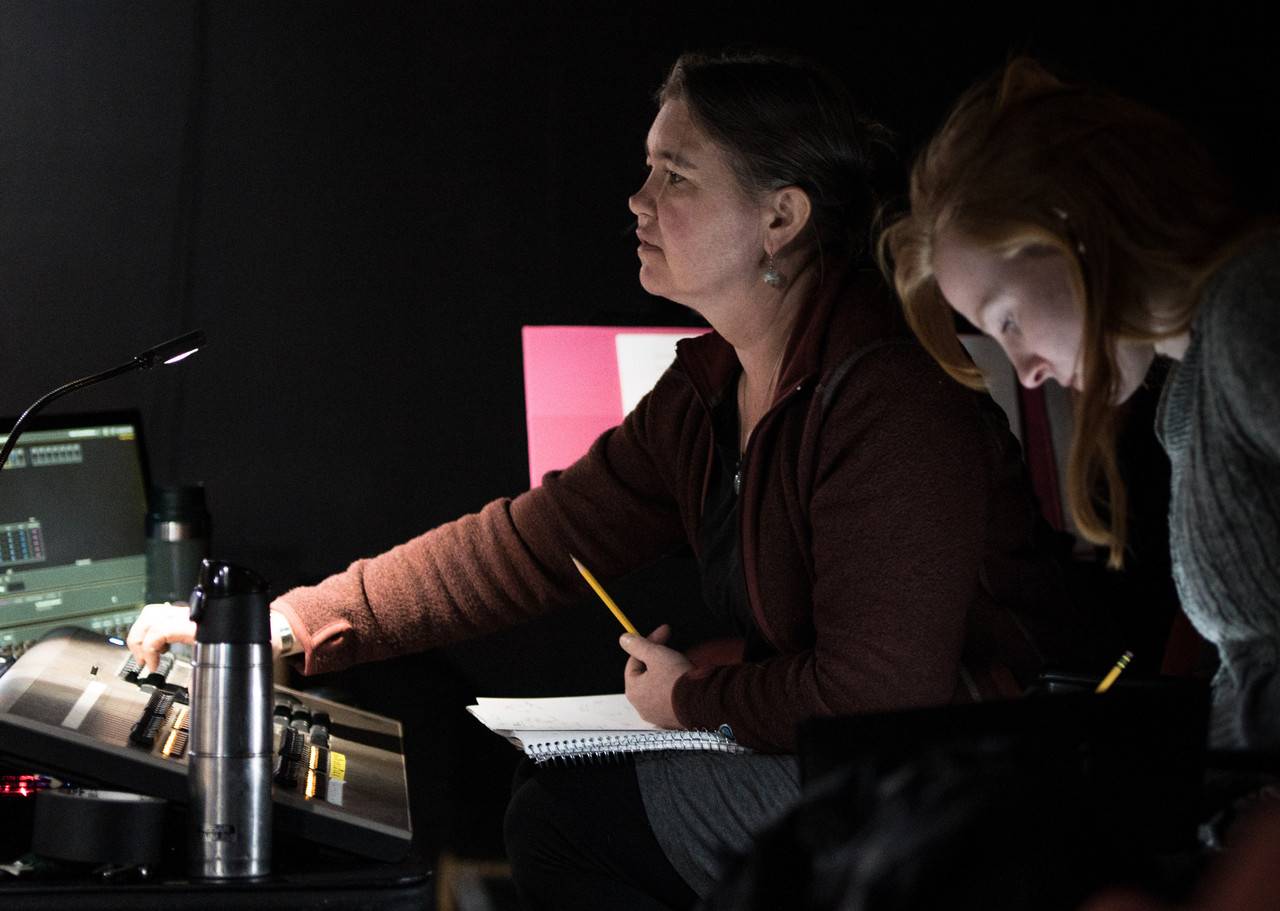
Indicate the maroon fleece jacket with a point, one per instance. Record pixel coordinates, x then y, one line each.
886 528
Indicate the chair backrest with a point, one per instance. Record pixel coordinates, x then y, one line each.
581 380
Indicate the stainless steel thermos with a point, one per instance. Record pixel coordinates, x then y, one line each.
229 756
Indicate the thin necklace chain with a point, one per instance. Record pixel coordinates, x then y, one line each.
744 432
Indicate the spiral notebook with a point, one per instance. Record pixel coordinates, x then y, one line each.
588 727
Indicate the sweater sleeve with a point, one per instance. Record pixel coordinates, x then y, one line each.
898 515
1257 711
1244 348
508 562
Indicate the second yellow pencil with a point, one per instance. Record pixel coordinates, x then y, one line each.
1114 672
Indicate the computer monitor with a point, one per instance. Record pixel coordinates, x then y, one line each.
73 505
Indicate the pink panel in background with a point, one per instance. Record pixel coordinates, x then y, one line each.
572 389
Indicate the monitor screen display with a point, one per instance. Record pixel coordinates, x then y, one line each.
73 504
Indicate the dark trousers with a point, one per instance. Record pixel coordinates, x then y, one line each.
578 838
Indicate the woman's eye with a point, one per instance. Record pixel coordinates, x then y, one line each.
674 179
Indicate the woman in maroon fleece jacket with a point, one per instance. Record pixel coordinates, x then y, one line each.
862 521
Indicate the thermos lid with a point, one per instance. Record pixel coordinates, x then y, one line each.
185 499
229 604
182 506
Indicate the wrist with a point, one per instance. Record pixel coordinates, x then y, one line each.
283 642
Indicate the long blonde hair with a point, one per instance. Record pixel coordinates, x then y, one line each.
1131 201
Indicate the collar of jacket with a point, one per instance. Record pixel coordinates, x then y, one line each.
710 362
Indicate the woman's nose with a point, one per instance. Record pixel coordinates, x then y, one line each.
639 202
1032 371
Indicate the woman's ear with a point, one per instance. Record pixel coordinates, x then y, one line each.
786 214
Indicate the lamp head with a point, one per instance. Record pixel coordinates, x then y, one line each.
172 351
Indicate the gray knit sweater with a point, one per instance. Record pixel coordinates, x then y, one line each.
1219 421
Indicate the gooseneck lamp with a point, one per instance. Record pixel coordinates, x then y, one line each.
170 352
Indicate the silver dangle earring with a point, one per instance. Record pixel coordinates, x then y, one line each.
772 277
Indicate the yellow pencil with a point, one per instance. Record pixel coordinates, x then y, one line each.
604 596
1114 672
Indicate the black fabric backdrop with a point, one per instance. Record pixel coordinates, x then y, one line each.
362 202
